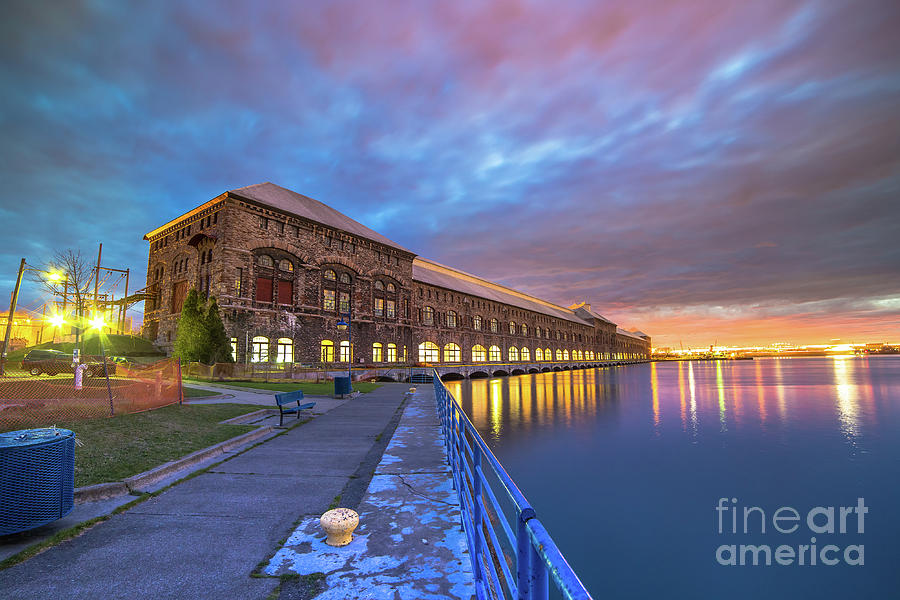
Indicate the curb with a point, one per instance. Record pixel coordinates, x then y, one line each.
240 419
102 491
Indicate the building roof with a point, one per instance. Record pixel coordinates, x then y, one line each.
291 202
432 273
635 334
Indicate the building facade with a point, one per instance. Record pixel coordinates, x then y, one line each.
287 269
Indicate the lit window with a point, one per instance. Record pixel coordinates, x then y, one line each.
512 328
494 354
377 352
525 354
330 275
327 350
264 260
346 352
451 318
379 285
391 287
513 353
494 325
328 299
538 354
285 350
559 354
476 323
260 349
379 307
478 353
428 316
391 309
345 302
234 349
286 265
565 355
524 329
537 331
345 278
392 353
452 353
429 352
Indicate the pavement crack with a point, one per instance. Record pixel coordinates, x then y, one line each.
420 494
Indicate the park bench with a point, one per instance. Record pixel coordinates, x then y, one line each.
284 401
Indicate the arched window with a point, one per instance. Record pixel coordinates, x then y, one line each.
451 318
233 349
330 275
286 265
259 350
452 353
285 350
565 355
428 316
547 355
379 285
264 260
513 354
476 323
327 351
377 352
494 354
478 353
391 353
512 328
524 329
391 287
590 355
538 354
559 354
537 331
345 278
525 354
346 352
429 352
494 325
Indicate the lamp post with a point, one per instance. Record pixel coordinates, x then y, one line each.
345 325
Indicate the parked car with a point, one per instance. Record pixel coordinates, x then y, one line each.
54 362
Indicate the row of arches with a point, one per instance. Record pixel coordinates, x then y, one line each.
430 352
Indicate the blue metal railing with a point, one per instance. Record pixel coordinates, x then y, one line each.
512 553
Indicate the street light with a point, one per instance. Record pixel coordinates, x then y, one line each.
343 325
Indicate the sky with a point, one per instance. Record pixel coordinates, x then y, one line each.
705 171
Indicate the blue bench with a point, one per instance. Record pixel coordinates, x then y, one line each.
285 399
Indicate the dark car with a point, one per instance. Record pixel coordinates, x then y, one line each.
53 362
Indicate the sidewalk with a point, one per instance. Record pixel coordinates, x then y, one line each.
204 537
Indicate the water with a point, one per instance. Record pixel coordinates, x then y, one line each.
626 466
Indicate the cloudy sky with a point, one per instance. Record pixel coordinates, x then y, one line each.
704 171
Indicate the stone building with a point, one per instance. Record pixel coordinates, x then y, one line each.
286 269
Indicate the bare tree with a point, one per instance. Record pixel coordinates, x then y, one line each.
73 283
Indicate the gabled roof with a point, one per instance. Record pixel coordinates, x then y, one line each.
432 273
293 203
635 334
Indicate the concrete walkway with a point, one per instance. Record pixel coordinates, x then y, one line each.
410 543
204 537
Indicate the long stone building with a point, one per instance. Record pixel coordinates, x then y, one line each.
286 269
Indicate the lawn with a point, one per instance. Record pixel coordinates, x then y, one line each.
125 445
325 388
190 392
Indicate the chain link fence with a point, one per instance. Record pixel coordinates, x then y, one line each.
28 400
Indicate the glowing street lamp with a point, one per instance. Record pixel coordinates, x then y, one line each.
98 322
57 320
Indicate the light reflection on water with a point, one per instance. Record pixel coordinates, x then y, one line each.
648 449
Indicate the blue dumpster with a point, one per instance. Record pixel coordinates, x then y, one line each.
341 386
37 477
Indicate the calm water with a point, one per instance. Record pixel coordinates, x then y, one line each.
642 454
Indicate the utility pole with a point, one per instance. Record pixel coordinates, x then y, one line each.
12 313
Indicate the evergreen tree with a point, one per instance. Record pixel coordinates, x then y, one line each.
219 348
191 337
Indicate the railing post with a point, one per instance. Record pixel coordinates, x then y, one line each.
478 507
523 559
540 588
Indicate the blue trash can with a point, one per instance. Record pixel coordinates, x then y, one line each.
341 386
37 477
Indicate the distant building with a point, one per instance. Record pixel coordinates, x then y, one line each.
286 269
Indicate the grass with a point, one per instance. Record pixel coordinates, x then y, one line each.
325 388
125 445
190 392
